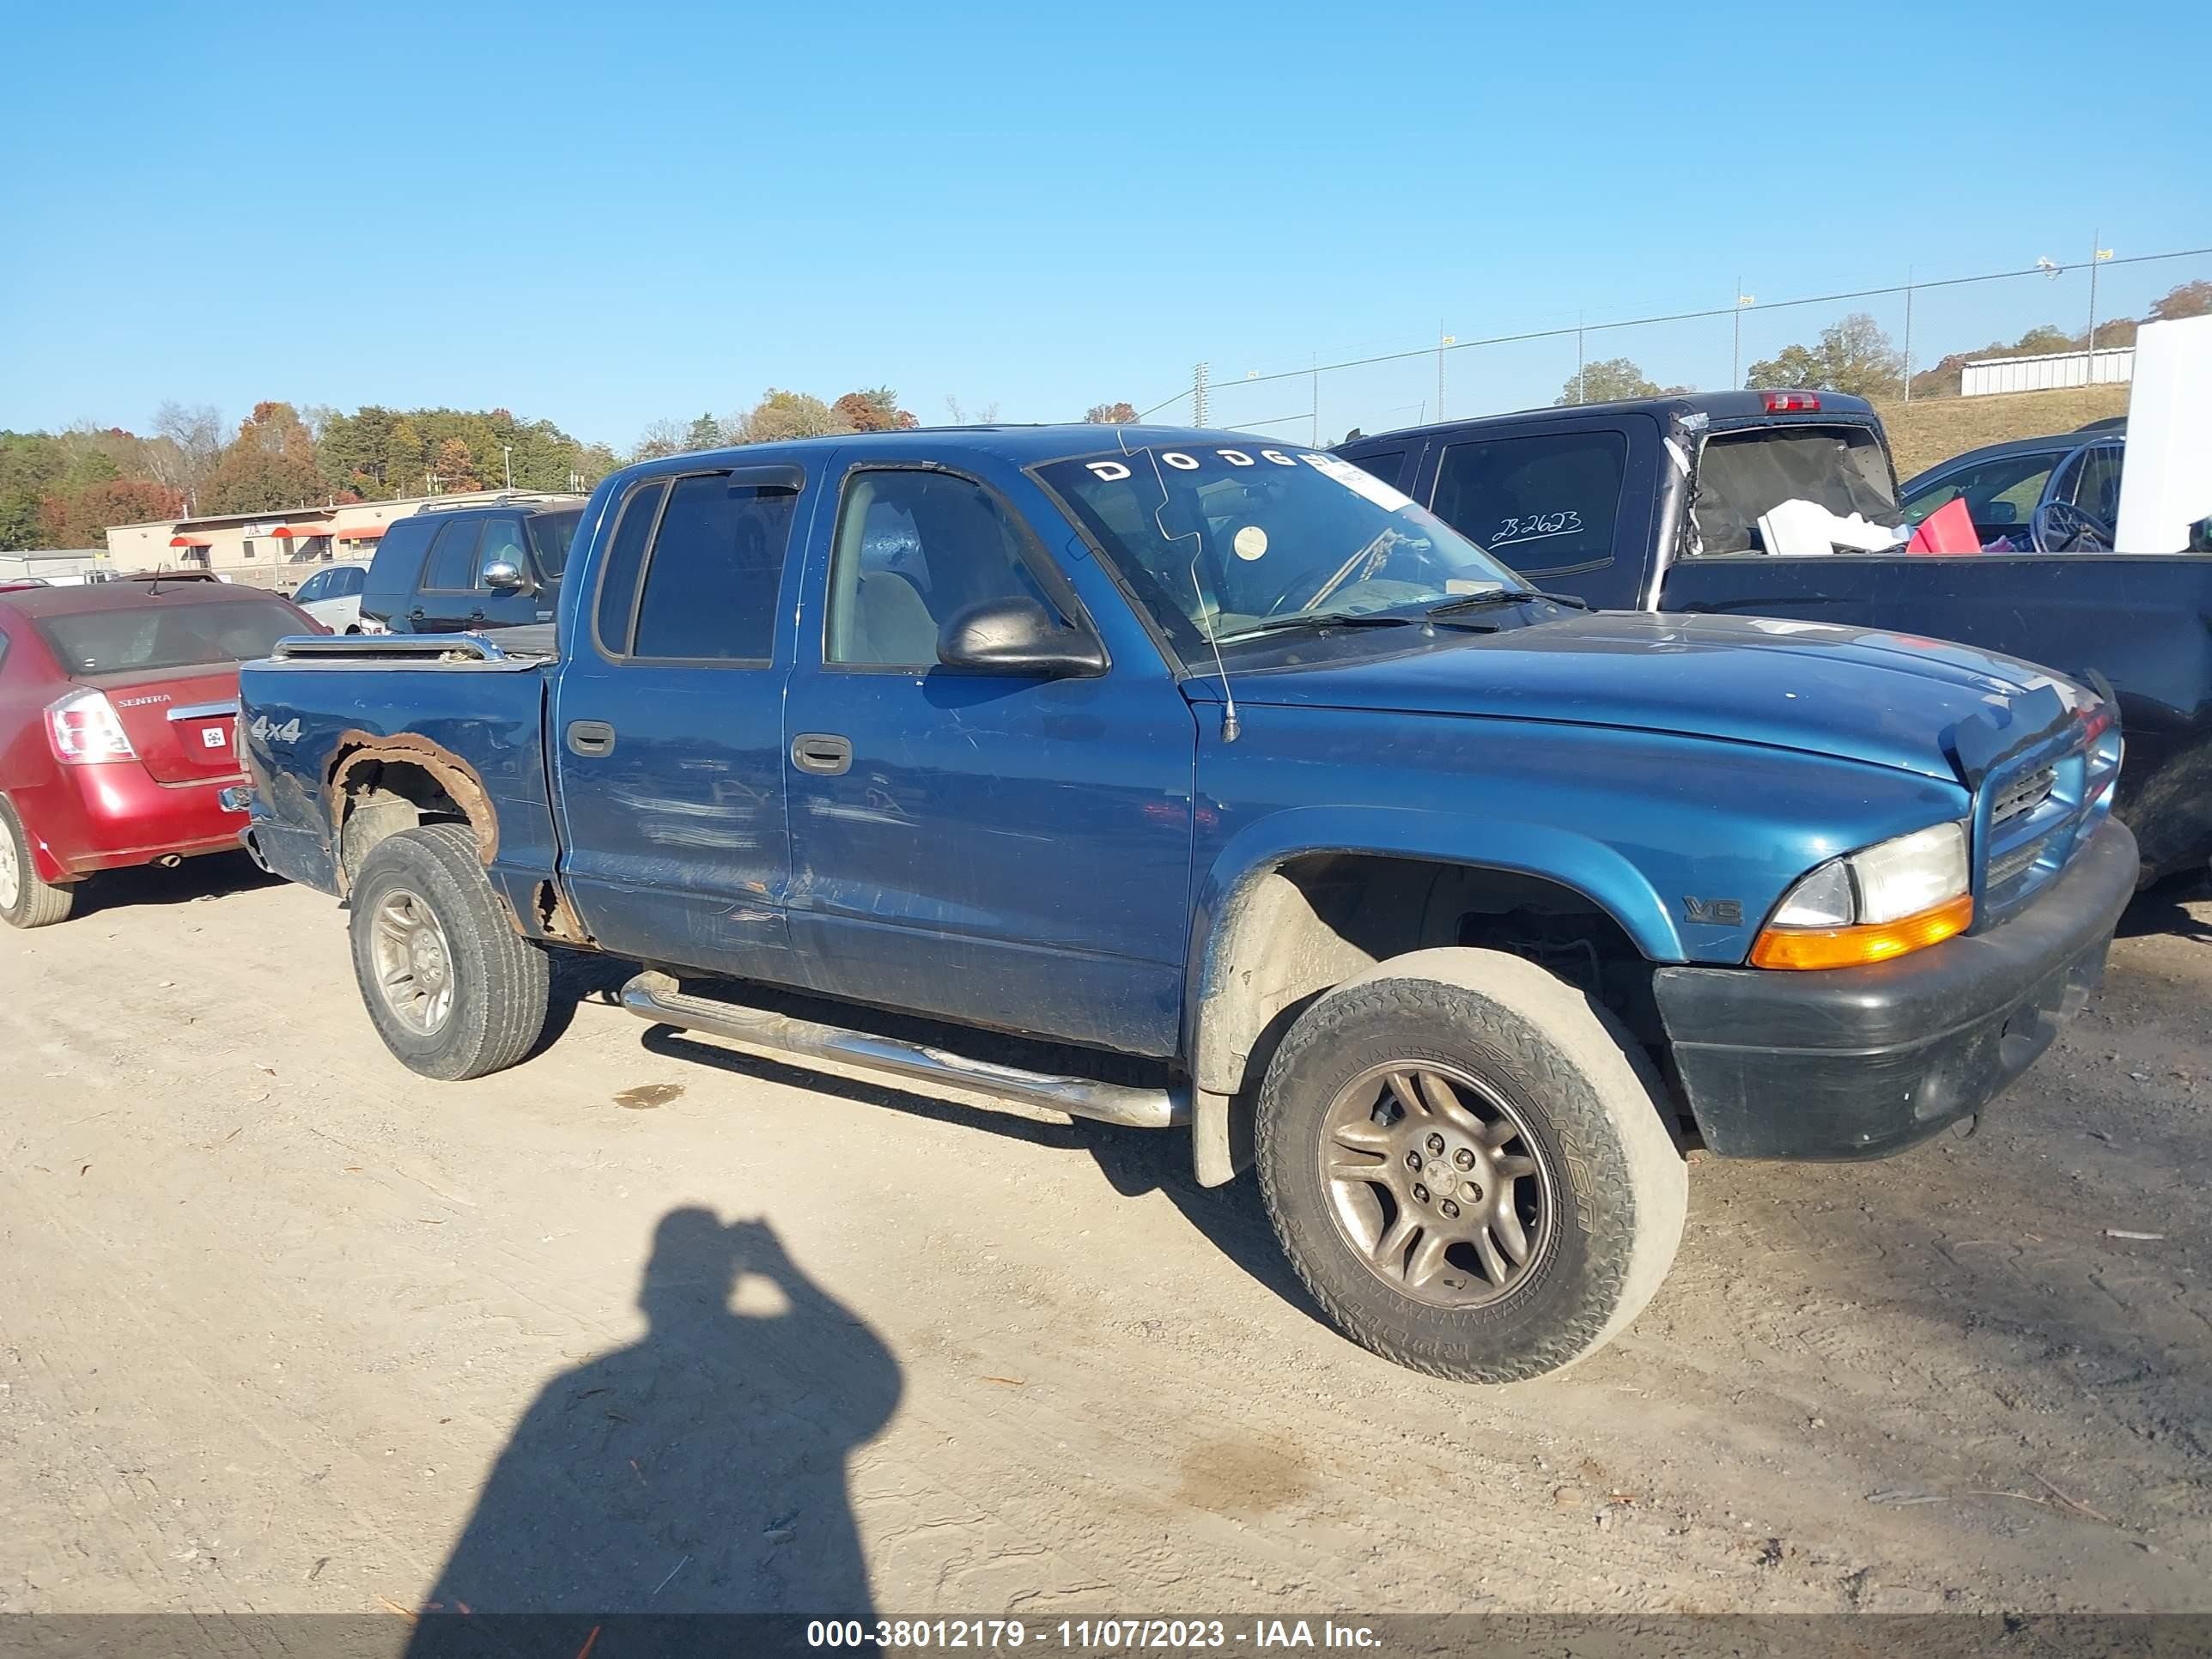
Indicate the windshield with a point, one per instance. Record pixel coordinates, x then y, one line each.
117 639
1743 476
550 534
1219 539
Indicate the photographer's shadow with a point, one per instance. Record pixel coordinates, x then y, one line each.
701 1469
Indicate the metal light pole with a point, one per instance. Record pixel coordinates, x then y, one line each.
507 451
1580 395
1735 351
1198 404
1442 340
2097 257
1908 334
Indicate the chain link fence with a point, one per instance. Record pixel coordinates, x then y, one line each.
1922 328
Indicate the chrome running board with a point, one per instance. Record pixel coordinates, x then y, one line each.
656 997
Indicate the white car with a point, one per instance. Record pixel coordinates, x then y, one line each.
333 597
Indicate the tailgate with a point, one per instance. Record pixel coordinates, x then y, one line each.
183 723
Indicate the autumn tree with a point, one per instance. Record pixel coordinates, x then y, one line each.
874 409
1854 356
786 415
453 467
81 517
269 465
1110 414
1606 379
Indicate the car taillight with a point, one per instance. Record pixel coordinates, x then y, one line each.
1792 402
82 727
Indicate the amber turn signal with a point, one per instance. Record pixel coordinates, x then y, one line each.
1868 942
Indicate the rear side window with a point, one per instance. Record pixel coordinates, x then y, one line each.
1543 504
1387 464
398 562
625 558
453 566
144 638
712 574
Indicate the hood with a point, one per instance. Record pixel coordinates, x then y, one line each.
1892 700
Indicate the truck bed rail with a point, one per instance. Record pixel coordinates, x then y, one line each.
420 650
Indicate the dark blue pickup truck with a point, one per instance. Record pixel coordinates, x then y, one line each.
1176 777
1654 503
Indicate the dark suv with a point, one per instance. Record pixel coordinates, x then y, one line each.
457 570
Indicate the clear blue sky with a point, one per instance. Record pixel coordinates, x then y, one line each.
607 214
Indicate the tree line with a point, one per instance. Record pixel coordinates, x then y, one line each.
66 489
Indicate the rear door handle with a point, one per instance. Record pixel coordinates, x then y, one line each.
591 739
823 753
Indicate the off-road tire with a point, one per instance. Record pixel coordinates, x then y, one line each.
1578 1081
499 979
39 904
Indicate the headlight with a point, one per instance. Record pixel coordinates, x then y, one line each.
1901 896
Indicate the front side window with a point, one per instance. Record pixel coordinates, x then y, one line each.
712 573
1997 494
316 586
501 543
1542 504
552 533
1227 542
913 550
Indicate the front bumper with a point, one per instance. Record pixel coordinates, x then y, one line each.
1860 1062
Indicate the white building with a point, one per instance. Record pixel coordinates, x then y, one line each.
2048 372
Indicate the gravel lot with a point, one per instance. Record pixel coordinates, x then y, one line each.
285 1329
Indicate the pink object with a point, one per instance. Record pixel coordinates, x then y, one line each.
1948 529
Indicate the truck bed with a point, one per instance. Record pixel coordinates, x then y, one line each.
326 712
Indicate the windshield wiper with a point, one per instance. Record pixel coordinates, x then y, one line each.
1501 596
1353 619
1322 619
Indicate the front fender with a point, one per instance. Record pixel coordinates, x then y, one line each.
1236 893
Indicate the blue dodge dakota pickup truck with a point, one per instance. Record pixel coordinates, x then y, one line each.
1178 778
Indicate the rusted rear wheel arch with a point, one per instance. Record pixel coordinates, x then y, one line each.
378 779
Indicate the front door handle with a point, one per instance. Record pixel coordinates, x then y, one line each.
823 753
591 739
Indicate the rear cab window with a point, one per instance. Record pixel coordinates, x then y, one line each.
1545 503
1745 474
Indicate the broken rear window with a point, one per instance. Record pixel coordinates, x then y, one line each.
1744 475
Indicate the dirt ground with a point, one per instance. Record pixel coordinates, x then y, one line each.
284 1329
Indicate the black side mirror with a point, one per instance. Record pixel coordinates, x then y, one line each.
505 576
1017 636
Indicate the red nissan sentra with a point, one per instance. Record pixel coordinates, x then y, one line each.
118 704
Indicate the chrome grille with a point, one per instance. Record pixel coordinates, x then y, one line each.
2022 795
2006 866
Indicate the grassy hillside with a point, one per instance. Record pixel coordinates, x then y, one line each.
1932 429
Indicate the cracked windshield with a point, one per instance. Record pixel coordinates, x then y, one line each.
1233 543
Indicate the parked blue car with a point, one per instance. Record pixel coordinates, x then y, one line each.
1179 778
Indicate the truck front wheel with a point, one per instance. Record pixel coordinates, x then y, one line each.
454 990
1466 1161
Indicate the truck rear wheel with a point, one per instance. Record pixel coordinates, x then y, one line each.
454 990
26 900
1466 1161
